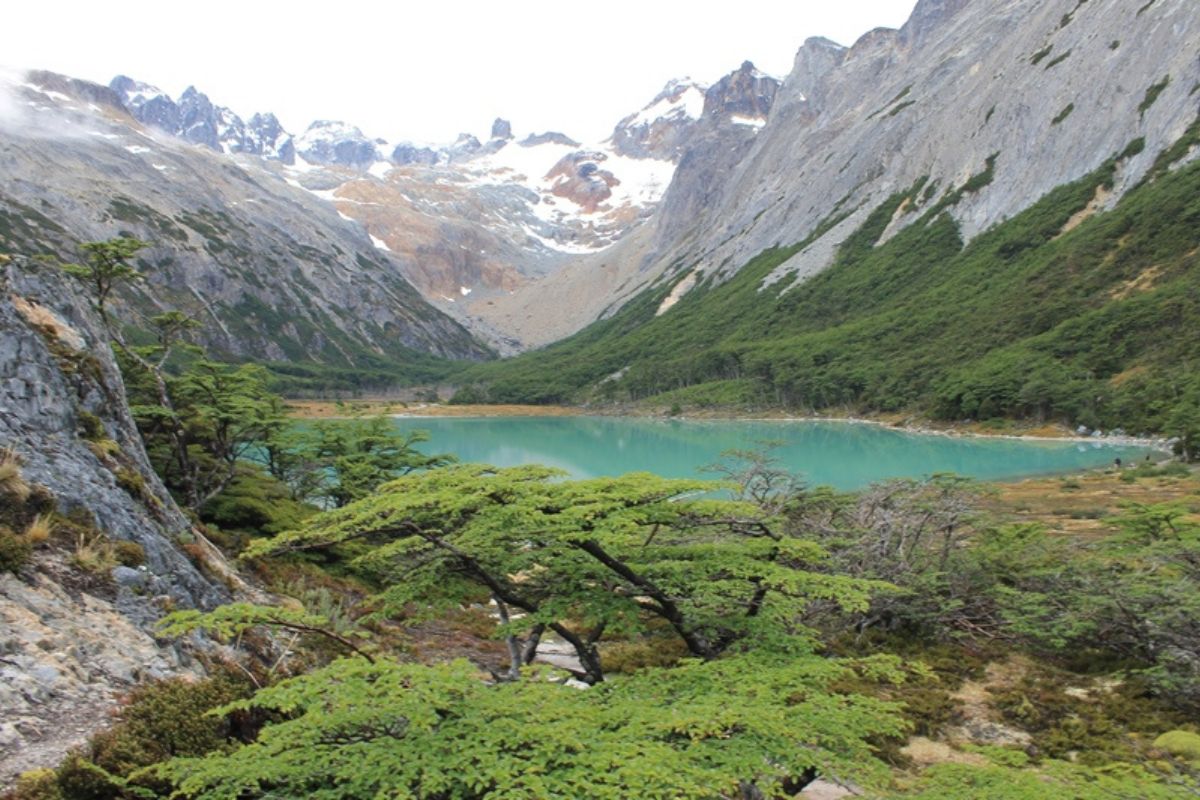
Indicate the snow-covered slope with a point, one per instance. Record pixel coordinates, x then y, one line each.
195 119
472 221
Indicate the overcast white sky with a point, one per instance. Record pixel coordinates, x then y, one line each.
426 71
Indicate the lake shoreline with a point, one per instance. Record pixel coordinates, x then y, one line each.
924 428
1047 432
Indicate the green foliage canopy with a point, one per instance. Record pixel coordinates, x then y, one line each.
582 558
703 730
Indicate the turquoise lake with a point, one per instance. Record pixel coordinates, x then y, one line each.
838 454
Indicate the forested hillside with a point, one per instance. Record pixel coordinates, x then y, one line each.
1058 313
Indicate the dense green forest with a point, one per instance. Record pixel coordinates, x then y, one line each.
1095 324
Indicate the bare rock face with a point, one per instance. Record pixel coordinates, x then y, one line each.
55 366
69 646
502 129
65 659
1044 92
330 142
194 118
579 178
549 137
663 128
735 110
745 94
404 154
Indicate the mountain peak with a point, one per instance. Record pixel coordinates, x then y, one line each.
338 143
745 95
502 129
658 129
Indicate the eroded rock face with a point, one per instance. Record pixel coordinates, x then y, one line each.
55 366
330 142
549 137
194 118
1048 96
502 129
70 643
578 177
66 657
662 129
404 154
743 94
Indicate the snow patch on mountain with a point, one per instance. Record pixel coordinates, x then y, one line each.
687 102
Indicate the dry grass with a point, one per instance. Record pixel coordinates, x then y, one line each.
40 530
46 320
12 484
1081 505
94 553
1097 203
1143 282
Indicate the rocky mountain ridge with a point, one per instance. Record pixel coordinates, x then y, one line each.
195 119
1015 87
474 220
1001 97
271 271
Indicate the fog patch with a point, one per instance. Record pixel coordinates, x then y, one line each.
14 113
32 112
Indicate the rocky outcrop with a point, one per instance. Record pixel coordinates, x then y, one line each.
466 146
745 95
194 118
70 642
663 128
333 143
66 658
265 136
549 137
56 367
404 154
579 178
199 119
502 129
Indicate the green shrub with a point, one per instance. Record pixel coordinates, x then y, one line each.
129 554
1183 744
256 504
132 482
15 550
38 784
91 427
78 778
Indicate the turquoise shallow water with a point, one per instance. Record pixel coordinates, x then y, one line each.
838 454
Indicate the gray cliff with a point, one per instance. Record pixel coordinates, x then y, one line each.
70 644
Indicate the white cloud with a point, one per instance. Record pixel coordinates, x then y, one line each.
12 113
426 71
